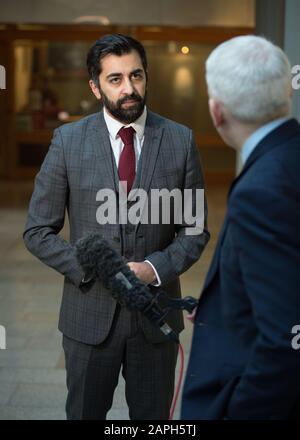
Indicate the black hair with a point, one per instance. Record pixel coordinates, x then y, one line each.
116 44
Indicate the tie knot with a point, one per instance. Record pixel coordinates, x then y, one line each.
126 134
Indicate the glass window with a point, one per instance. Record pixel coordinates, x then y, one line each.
177 87
51 84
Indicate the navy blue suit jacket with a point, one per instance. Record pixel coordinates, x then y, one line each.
242 363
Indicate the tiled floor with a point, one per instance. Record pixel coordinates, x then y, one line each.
32 376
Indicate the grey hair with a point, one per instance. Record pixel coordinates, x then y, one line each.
251 77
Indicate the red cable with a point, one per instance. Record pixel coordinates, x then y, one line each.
178 384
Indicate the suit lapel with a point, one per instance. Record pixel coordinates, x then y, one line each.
153 134
98 135
149 153
215 260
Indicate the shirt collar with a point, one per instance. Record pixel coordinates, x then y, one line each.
254 139
114 126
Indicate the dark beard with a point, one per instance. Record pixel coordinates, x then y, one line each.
128 115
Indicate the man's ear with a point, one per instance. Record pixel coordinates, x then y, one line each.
216 112
95 89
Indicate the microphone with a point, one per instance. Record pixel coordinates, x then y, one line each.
99 260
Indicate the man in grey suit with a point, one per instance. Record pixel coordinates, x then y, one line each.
124 142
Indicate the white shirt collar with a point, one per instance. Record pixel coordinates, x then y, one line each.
114 126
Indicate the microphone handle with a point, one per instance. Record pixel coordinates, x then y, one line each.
152 311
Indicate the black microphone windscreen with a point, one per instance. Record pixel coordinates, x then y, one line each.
99 259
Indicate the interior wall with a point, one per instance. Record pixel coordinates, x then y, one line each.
161 12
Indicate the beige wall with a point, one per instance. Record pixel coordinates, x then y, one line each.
162 12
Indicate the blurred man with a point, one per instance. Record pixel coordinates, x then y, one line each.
129 144
243 364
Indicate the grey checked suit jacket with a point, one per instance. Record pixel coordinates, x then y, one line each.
78 164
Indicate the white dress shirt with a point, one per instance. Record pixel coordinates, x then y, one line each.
117 145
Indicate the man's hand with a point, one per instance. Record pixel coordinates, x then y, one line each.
143 271
191 316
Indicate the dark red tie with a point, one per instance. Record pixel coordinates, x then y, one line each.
126 167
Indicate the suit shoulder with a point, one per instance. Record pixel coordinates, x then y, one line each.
80 125
170 124
281 163
289 152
